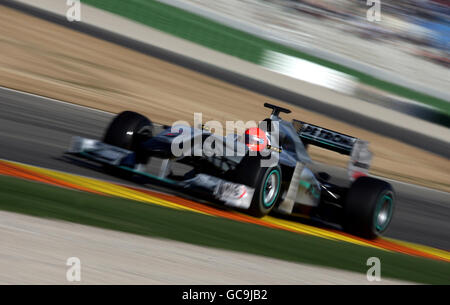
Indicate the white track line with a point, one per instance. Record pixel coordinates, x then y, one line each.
55 100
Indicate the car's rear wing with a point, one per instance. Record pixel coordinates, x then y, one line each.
325 138
357 149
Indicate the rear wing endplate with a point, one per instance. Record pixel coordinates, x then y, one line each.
357 149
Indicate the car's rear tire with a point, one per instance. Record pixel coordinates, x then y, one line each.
265 180
126 128
369 207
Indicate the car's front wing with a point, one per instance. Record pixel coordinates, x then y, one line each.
230 193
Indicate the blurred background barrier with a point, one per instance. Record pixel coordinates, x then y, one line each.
152 15
386 59
309 72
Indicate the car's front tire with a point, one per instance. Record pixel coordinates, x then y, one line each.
126 128
265 180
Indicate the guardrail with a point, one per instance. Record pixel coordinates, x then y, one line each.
241 44
297 42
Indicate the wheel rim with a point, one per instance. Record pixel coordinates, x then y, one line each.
271 188
383 212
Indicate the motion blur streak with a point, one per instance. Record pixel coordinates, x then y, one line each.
106 188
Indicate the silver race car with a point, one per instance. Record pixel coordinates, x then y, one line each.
266 169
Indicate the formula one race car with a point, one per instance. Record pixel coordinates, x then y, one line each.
265 169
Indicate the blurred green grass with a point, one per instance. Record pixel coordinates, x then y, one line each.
237 43
47 201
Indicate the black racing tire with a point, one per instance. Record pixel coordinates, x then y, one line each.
369 207
124 130
262 179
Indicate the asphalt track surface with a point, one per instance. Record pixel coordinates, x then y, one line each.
37 131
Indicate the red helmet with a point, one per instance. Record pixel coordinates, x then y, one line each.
256 139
